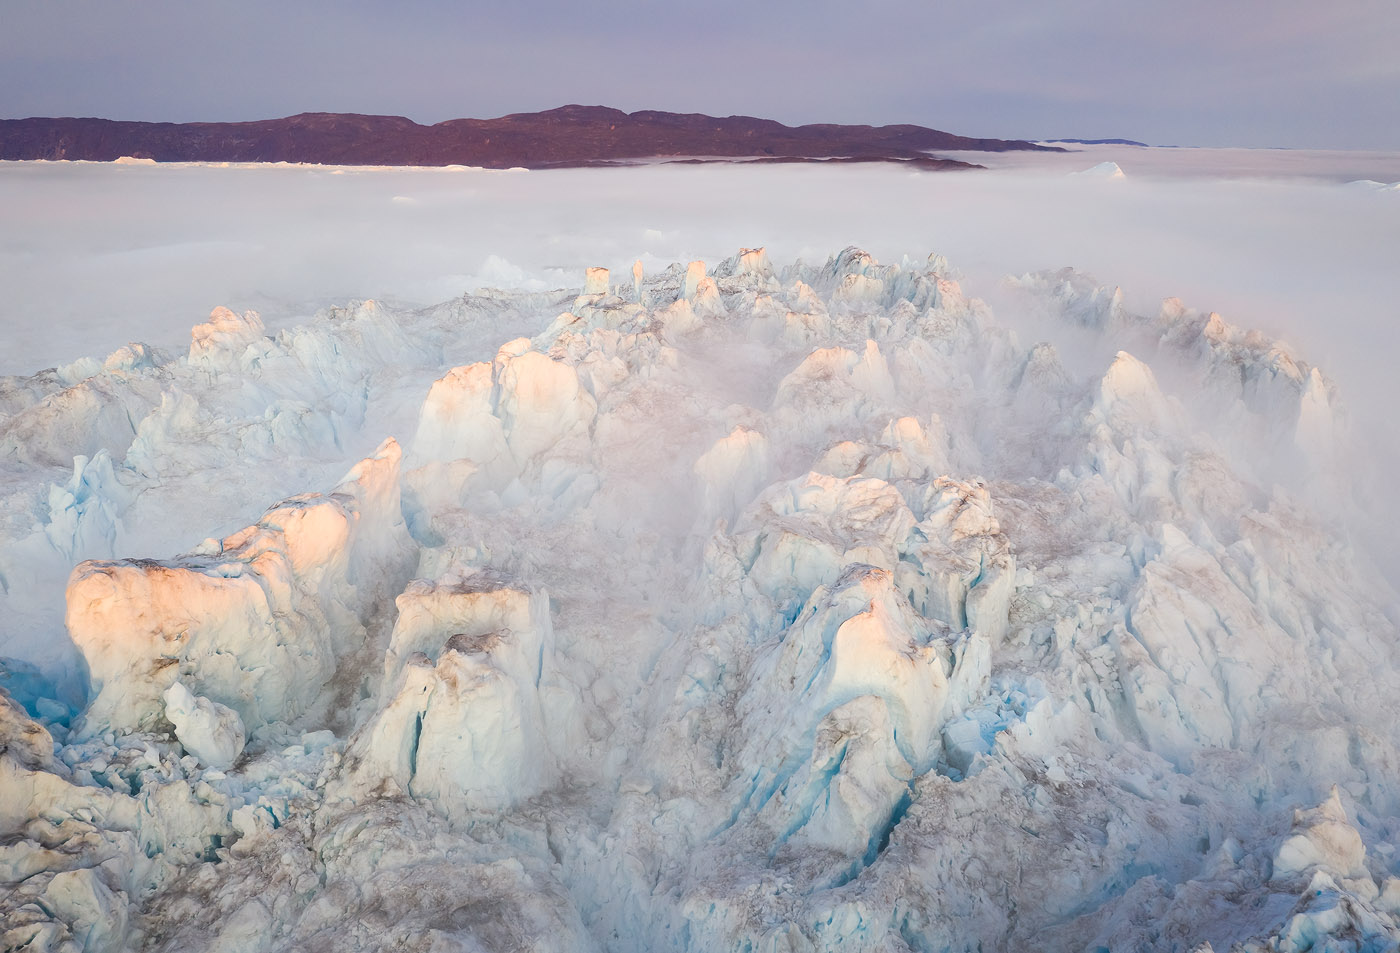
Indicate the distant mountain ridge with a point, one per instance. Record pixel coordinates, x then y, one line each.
1100 142
569 136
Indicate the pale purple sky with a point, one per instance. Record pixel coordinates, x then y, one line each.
1191 72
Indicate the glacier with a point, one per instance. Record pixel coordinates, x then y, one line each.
731 605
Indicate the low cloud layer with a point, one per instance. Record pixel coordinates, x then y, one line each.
101 255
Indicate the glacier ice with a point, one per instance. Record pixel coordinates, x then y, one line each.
257 621
755 607
462 722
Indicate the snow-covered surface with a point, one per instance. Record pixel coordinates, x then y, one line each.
736 604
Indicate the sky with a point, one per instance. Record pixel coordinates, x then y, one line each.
1258 73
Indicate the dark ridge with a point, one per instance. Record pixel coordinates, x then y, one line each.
569 136
1100 142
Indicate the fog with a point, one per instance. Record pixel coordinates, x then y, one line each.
96 255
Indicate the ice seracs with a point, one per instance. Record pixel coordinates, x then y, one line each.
469 665
694 274
1322 837
520 419
840 717
224 336
97 411
540 403
956 566
257 621
833 384
97 916
596 281
803 533
211 732
733 471
797 608
85 511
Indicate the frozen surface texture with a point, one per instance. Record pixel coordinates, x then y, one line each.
744 606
